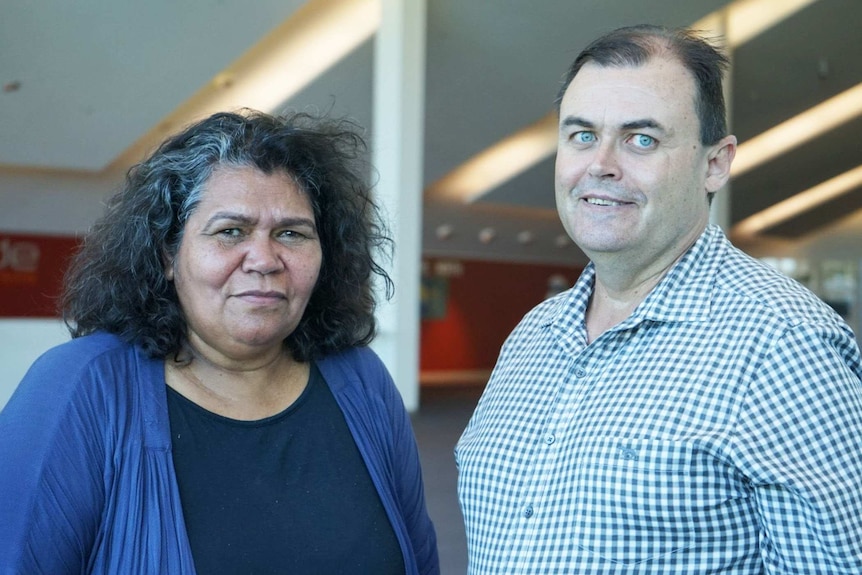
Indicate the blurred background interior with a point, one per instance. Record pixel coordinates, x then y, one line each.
457 97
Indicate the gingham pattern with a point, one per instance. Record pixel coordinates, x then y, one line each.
717 430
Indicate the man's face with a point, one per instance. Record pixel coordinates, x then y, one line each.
631 174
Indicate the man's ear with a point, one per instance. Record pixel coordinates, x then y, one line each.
719 158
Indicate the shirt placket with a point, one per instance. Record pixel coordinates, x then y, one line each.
534 523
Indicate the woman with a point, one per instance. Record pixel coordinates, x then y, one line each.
217 410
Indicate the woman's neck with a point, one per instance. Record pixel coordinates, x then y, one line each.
239 390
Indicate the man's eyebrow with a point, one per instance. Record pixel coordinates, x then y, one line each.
577 121
640 124
570 121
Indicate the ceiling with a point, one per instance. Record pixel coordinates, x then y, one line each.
83 82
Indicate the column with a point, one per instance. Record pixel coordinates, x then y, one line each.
397 145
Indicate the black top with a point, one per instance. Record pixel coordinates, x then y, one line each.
285 494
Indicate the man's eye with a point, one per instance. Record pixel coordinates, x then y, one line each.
643 141
584 137
230 232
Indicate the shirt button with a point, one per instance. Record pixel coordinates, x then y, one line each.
550 439
528 511
580 373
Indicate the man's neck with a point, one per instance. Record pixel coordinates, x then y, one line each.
620 286
611 303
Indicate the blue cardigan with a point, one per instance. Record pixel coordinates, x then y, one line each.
87 482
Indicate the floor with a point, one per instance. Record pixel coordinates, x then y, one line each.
442 416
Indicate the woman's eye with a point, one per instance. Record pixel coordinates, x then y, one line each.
230 232
291 235
643 141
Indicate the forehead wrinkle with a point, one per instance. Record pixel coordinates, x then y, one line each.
232 216
245 219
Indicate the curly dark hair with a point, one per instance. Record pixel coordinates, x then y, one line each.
116 282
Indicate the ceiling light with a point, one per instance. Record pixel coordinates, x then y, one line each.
794 205
444 231
742 20
798 130
519 152
487 235
499 163
300 50
748 18
314 38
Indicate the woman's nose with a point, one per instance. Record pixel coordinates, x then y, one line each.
263 256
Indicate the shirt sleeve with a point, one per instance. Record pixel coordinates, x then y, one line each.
800 443
51 482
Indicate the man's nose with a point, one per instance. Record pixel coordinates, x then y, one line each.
604 162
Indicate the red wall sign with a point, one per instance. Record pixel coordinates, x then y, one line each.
31 273
478 307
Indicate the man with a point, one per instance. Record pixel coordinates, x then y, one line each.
682 409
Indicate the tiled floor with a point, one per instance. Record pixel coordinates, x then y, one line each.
442 416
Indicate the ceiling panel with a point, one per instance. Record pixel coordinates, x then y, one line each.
82 81
813 55
820 159
94 76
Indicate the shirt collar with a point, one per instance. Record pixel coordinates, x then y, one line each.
684 294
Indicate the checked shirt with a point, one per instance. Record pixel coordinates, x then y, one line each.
716 430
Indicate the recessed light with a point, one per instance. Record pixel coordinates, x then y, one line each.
487 235
525 237
444 231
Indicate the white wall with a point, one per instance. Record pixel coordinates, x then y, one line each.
21 342
59 204
47 204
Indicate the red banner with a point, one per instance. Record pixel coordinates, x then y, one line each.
31 273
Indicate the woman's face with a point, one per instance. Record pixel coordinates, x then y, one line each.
247 264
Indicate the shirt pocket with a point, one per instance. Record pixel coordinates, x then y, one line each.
633 500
